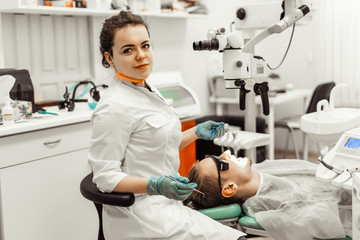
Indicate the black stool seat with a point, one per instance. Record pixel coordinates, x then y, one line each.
89 190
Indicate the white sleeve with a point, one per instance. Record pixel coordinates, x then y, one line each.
111 132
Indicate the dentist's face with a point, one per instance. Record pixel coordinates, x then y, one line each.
132 52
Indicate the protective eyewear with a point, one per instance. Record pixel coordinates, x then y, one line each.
221 165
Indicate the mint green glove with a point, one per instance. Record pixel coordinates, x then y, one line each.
210 130
178 190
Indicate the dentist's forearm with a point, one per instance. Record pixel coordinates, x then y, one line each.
132 184
188 137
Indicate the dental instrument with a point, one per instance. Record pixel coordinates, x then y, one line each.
45 112
198 191
332 168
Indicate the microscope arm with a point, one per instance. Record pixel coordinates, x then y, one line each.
292 15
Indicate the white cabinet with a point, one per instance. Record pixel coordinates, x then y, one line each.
40 175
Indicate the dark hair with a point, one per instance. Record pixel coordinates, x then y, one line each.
210 186
207 185
121 20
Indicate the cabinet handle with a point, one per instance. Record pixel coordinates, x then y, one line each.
52 142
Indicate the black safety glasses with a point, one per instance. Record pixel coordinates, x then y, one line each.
221 165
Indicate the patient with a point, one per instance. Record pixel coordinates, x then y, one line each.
282 195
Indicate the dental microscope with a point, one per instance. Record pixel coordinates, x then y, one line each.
242 69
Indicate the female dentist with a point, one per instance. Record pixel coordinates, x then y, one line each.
136 138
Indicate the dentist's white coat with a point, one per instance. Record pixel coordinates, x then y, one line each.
136 133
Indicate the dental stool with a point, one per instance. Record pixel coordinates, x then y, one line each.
232 216
89 190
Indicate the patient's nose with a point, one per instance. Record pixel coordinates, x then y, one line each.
223 156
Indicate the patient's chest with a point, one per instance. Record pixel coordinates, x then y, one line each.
291 190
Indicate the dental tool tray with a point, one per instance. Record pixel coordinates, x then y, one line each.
23 88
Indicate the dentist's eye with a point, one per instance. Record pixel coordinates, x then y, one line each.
127 50
146 45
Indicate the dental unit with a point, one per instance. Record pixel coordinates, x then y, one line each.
337 129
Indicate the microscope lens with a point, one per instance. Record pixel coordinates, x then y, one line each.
206 45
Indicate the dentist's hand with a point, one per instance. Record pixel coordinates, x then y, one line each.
170 188
210 130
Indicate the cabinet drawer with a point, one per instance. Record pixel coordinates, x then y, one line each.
35 145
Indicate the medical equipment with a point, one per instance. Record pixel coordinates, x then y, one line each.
342 161
328 123
177 94
194 189
239 63
338 129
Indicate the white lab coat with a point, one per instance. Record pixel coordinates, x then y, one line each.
136 133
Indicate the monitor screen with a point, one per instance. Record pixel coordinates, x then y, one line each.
353 143
180 96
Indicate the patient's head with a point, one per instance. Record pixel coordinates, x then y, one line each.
205 174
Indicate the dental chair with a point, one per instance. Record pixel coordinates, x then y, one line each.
230 215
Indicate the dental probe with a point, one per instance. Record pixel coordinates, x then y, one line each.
180 182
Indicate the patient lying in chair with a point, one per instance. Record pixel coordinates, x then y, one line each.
283 196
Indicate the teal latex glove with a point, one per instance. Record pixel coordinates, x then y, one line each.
210 130
169 188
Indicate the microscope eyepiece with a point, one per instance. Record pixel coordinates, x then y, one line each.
206 45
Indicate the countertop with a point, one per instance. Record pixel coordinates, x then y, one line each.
46 121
